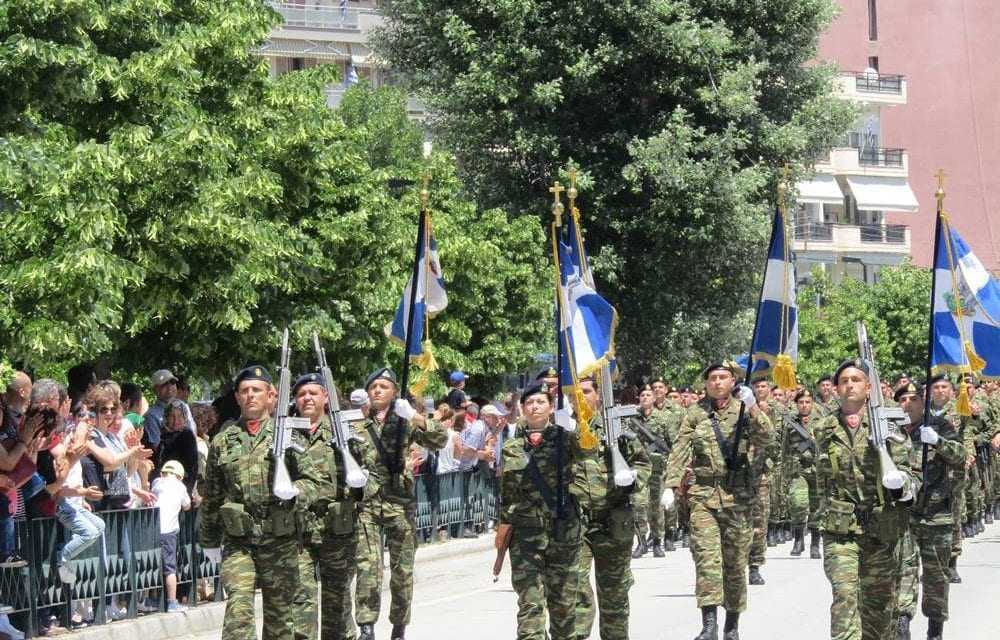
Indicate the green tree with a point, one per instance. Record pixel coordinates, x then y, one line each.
166 203
677 110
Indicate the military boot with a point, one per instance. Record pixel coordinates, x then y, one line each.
686 540
935 629
772 537
814 544
657 549
668 541
989 516
398 632
903 627
953 576
366 632
731 631
640 549
755 578
800 544
709 625
980 526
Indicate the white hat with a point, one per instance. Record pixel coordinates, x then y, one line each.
359 397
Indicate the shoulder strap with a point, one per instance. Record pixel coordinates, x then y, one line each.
383 455
724 444
535 475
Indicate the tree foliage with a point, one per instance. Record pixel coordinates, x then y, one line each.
678 111
166 203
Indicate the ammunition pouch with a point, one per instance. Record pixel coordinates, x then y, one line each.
237 523
339 518
621 524
840 517
888 523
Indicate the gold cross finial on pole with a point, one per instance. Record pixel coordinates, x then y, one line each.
939 194
571 193
557 207
783 188
425 192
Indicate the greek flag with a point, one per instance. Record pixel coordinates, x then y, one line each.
431 297
966 331
776 334
586 321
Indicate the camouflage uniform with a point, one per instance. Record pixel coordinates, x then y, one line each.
258 531
863 527
674 518
544 551
607 535
392 513
331 539
649 515
928 545
764 459
804 495
720 514
947 412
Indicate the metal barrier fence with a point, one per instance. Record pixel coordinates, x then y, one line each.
122 568
453 500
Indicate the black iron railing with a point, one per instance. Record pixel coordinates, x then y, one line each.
880 157
883 234
878 83
814 231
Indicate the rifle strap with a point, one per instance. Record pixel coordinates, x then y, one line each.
725 445
801 430
383 454
535 475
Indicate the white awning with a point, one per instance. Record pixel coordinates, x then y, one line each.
822 189
882 194
302 49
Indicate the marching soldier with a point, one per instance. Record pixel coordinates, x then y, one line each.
331 537
392 426
667 403
763 461
240 512
722 494
544 539
804 494
929 541
827 402
866 514
650 427
608 525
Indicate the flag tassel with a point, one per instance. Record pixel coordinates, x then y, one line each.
588 440
964 405
784 372
976 363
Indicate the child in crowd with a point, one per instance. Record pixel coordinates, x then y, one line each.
171 498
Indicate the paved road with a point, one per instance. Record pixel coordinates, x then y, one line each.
456 599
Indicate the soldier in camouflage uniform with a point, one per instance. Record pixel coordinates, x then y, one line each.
667 405
392 426
721 497
331 538
763 460
800 456
608 524
240 512
827 402
864 521
646 504
928 544
544 547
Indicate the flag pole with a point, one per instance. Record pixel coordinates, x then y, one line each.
939 195
557 211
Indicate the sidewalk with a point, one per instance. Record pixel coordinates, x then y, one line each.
207 618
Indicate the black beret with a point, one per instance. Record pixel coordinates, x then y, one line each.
805 393
385 373
906 389
645 387
308 378
824 378
661 380
938 378
534 389
253 372
727 365
547 373
857 363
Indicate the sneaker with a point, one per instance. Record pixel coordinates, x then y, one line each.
67 574
13 561
174 607
7 629
117 613
148 606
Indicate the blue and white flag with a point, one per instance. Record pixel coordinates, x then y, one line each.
776 336
966 308
431 297
586 321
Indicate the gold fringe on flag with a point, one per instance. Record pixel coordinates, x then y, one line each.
588 440
964 405
976 363
784 372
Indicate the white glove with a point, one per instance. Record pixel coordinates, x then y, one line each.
286 492
565 420
667 498
746 395
404 409
893 480
929 436
625 478
212 554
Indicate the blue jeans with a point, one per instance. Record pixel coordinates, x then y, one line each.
7 540
85 526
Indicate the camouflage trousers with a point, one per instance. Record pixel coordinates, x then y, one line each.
926 551
759 514
720 542
803 501
864 573
606 546
397 524
957 513
544 574
272 564
780 486
973 494
651 520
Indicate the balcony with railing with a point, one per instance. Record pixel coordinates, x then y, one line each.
326 17
873 87
848 238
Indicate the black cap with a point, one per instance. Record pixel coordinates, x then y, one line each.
805 393
308 378
534 389
724 365
547 373
856 363
824 378
905 389
253 372
385 373
938 378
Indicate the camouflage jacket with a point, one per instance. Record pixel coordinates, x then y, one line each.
593 479
698 446
849 473
397 488
334 511
671 414
968 426
799 451
523 502
656 424
945 463
238 503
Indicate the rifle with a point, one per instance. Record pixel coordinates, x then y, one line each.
612 416
354 475
503 537
283 425
658 444
879 415
983 461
